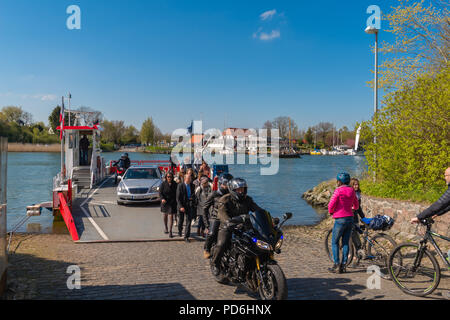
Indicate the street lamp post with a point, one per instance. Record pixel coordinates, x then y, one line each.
373 30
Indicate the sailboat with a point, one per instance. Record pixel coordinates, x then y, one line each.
290 153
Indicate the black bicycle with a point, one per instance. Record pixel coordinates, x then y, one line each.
413 267
375 249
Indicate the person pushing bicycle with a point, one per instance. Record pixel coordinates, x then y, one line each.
441 206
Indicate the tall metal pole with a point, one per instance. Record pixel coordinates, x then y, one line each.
62 140
375 105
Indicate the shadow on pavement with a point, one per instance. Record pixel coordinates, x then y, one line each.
323 288
34 278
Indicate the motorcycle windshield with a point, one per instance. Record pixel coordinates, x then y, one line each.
263 225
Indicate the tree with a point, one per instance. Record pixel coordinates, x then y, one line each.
89 116
421 42
282 124
17 115
413 135
130 135
53 119
309 136
323 129
149 132
112 131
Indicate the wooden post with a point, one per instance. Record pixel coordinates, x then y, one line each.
3 200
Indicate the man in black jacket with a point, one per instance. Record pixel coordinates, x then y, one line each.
210 210
441 206
185 205
233 204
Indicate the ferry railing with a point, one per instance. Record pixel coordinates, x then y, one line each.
93 169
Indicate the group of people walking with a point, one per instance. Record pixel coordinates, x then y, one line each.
183 199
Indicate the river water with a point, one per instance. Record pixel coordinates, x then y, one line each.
30 177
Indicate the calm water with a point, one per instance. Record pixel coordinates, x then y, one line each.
30 177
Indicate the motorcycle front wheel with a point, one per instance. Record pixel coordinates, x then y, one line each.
274 286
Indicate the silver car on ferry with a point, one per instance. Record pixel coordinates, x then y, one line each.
140 184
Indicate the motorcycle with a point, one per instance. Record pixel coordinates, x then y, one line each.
120 171
249 258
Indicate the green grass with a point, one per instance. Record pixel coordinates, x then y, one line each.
107 147
157 149
410 193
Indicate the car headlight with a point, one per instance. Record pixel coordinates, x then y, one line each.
155 189
122 189
262 245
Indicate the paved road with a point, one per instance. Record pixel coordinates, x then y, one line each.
172 270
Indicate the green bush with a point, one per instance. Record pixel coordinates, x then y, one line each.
413 141
107 147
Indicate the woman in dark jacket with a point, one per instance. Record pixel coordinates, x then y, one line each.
354 183
168 194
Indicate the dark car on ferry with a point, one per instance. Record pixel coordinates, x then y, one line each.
140 184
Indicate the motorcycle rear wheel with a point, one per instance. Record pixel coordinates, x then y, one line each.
276 285
217 273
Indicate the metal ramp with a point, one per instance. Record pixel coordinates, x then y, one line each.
98 218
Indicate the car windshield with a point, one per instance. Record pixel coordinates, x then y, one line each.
144 173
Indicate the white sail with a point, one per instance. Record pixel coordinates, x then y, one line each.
357 138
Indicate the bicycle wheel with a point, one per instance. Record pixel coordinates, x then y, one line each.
378 251
351 248
418 279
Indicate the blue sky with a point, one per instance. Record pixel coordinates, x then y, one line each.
237 63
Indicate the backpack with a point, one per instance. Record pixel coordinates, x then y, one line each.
379 222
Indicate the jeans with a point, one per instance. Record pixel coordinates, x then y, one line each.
342 229
84 157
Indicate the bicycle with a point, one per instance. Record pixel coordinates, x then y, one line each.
413 267
375 249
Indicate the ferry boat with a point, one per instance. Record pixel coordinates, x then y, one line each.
85 195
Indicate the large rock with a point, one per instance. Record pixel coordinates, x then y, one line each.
321 194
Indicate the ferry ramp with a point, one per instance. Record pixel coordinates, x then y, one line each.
98 217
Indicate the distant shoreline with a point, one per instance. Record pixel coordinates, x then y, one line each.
30 147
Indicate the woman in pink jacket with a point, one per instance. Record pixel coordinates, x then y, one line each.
341 206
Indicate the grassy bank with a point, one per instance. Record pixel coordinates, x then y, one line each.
29 147
414 194
155 149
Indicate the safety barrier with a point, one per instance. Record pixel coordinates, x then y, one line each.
67 216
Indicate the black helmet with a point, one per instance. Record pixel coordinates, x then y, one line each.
225 178
126 154
236 183
123 156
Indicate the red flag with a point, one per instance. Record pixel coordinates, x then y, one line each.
61 120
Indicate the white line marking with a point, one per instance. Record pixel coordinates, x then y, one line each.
90 196
100 231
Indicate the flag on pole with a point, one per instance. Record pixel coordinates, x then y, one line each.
61 120
189 129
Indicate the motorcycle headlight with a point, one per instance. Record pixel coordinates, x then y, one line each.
279 243
262 245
